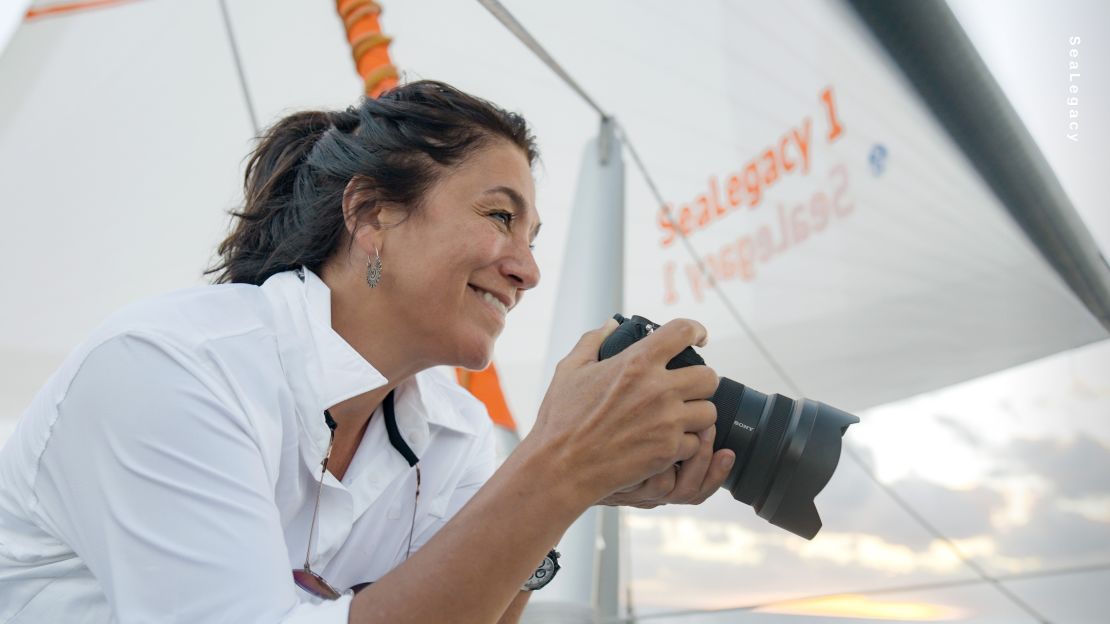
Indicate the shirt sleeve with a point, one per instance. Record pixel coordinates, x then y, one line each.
154 477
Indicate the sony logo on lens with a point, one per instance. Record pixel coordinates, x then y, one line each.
737 423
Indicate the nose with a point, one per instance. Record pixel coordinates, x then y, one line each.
520 268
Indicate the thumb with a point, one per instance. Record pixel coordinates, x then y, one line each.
590 342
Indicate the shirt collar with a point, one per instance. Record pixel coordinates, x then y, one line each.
335 371
342 371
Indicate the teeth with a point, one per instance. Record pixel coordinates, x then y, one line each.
495 301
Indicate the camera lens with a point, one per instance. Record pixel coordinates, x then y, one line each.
786 451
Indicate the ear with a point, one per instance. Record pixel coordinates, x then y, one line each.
365 216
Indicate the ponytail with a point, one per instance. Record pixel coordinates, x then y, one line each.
402 142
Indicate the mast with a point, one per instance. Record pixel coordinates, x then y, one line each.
591 289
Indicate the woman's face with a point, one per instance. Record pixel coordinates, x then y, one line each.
453 269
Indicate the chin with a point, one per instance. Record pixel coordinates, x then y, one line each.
475 366
475 356
474 363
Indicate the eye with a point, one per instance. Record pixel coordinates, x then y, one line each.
507 218
504 217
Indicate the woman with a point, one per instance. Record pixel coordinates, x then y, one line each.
202 443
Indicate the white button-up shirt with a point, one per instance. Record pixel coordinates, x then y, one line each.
167 471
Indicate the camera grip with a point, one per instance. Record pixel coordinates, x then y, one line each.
634 329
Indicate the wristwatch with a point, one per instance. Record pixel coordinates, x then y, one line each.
544 573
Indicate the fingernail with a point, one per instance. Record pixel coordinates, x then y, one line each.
727 459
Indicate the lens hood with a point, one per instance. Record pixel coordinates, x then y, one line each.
809 456
786 449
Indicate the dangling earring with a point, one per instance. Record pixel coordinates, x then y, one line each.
374 269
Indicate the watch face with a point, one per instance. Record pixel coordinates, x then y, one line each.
546 569
543 574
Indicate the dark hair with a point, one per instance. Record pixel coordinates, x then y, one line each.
403 142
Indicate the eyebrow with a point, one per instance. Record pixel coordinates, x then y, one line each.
518 204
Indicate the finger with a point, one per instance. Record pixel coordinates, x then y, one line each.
631 488
688 447
691 476
670 339
697 415
590 343
694 382
719 468
659 487
650 490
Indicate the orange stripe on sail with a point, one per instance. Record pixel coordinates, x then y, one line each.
486 387
70 7
370 50
369 47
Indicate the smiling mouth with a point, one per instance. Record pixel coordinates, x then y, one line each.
494 302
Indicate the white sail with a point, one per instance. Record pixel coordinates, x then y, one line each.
877 266
923 245
11 15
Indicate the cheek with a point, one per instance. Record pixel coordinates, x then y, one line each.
432 270
432 283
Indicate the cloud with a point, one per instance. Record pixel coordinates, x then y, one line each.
1058 537
681 562
961 430
853 503
957 514
857 606
1042 503
1078 467
691 538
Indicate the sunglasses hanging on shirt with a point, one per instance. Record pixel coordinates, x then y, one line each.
305 578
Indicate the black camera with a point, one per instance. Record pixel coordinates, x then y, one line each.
786 449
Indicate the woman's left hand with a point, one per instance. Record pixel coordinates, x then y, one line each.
690 483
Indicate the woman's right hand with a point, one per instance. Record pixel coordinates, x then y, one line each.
609 425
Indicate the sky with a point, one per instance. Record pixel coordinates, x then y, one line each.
1012 468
